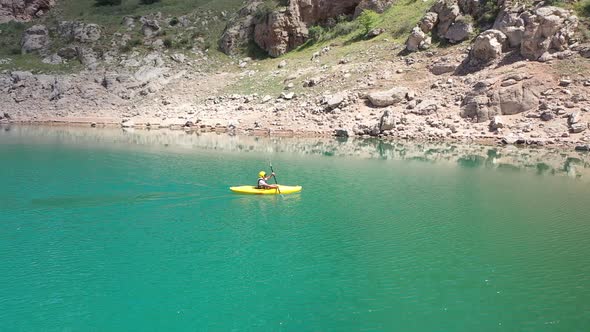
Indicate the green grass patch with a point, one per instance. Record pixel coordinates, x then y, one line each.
33 63
582 8
399 20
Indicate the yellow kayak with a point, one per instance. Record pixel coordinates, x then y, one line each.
253 190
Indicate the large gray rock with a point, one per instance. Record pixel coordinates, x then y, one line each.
512 25
448 11
87 57
487 101
426 107
388 121
417 40
516 99
459 31
389 97
79 31
428 22
150 28
443 68
35 38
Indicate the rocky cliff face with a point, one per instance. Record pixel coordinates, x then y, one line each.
284 29
23 10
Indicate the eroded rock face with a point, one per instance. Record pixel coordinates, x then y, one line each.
79 31
547 29
285 28
23 10
239 30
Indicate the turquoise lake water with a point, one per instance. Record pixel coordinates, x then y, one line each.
104 230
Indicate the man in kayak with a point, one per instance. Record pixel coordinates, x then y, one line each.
262 178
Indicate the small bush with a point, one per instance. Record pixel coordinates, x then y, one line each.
489 13
148 2
99 3
125 48
264 9
316 33
174 21
583 8
168 43
134 42
369 20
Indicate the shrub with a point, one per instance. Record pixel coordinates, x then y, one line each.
583 8
316 33
489 13
368 20
107 2
134 42
174 21
148 2
264 9
168 43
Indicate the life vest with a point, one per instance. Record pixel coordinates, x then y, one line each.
258 186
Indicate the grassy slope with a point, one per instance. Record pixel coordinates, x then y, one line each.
398 21
109 18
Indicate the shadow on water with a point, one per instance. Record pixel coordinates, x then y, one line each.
71 202
544 161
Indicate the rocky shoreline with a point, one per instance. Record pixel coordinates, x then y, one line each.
484 140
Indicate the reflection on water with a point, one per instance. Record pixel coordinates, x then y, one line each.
542 161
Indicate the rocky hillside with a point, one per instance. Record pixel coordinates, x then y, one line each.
439 70
280 29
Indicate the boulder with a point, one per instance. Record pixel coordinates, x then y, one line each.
428 22
578 127
79 31
388 98
487 101
448 11
512 25
487 46
516 99
547 116
387 122
35 38
68 52
443 68
150 28
426 107
417 40
459 31
574 118
496 123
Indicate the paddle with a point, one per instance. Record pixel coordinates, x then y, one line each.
275 177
